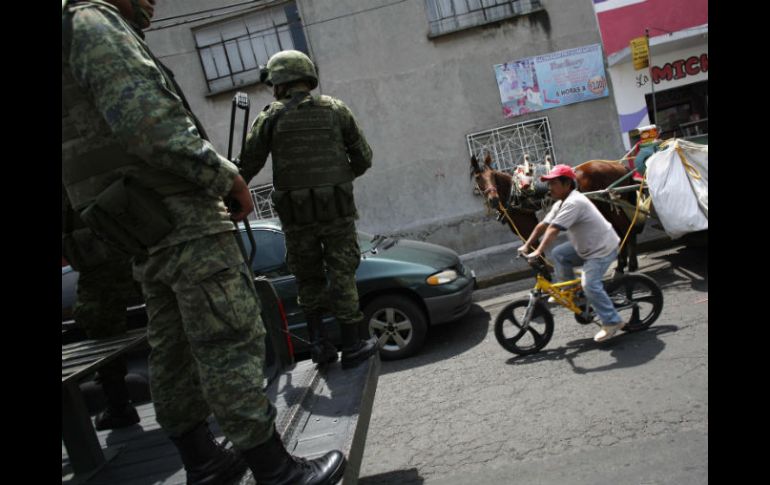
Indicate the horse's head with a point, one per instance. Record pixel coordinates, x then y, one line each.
496 187
485 179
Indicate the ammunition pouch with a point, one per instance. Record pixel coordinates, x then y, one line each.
84 250
282 205
319 204
346 204
130 216
325 204
302 206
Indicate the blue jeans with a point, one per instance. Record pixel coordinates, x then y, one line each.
565 258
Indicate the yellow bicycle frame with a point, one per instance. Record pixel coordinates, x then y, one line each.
563 292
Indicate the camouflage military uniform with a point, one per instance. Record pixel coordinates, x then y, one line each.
316 247
105 289
126 118
105 283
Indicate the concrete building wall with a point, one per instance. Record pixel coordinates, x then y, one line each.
173 43
416 99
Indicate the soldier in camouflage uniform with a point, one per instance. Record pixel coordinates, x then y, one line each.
138 170
105 289
317 151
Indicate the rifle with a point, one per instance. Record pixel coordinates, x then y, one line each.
241 101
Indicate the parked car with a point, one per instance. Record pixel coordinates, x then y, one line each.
404 287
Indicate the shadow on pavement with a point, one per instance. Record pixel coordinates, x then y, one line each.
446 340
628 349
398 477
687 267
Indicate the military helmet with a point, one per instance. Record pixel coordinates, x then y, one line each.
287 66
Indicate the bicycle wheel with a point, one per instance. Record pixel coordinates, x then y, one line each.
523 341
638 300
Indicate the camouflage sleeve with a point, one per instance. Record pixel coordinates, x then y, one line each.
126 86
359 151
255 150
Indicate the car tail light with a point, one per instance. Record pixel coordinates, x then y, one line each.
285 328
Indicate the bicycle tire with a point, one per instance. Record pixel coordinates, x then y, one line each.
539 332
637 298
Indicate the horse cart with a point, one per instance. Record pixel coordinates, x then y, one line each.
673 187
666 180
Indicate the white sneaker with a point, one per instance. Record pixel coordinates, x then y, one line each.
551 299
608 331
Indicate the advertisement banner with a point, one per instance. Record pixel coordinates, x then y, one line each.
551 80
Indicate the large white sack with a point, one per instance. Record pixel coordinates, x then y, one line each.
679 188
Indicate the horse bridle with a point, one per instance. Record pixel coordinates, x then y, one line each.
486 192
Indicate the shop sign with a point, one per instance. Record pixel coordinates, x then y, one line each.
640 53
680 68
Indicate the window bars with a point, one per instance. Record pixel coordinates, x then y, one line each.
231 52
507 145
446 16
263 204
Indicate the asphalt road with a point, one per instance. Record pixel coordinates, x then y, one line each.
633 410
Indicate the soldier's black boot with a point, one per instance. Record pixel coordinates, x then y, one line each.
119 413
354 348
271 464
322 350
206 462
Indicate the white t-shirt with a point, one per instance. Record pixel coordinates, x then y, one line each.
588 231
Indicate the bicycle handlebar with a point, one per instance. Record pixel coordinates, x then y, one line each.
537 264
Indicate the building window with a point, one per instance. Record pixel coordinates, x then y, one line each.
263 203
507 145
231 52
451 15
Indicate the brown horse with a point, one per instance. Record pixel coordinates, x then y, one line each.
594 175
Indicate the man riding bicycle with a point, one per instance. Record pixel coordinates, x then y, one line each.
593 244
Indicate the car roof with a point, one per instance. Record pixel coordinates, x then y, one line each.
274 224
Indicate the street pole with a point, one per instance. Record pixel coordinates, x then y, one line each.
652 79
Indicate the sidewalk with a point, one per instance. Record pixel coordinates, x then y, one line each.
498 264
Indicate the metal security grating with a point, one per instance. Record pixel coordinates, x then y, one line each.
508 144
231 52
263 204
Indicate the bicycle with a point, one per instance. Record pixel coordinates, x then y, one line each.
525 326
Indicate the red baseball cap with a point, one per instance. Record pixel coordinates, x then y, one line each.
560 170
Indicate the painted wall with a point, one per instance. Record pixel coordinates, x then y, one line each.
173 43
622 20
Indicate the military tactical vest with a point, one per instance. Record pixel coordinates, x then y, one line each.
307 147
92 157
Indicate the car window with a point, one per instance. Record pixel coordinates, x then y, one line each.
270 257
365 241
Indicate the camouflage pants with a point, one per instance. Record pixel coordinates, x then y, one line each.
207 340
319 250
103 294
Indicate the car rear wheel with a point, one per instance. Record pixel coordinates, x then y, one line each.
399 325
